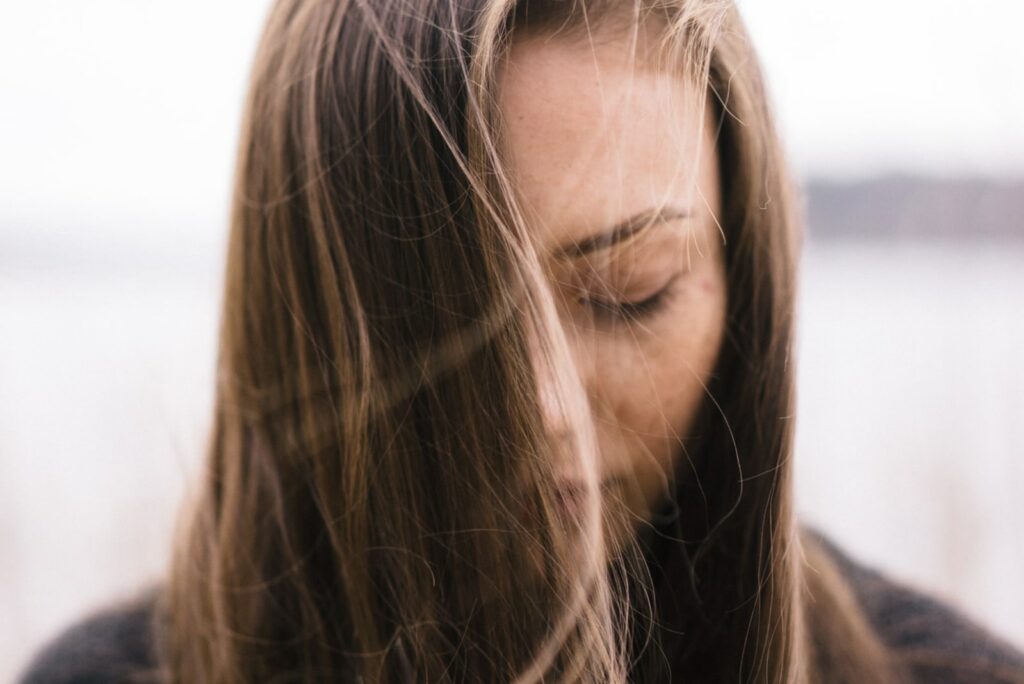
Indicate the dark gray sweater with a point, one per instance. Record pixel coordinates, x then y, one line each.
116 645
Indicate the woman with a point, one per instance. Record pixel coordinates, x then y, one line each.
504 386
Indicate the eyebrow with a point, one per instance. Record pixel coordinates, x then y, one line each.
621 231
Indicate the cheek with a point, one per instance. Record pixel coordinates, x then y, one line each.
658 377
651 385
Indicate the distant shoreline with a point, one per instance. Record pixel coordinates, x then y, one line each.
898 207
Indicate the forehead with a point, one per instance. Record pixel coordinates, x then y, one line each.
593 135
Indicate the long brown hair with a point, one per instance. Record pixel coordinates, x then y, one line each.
375 396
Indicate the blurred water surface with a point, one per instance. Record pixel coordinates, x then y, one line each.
909 447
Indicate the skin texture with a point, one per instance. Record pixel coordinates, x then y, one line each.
593 137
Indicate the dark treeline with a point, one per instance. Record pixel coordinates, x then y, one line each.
914 207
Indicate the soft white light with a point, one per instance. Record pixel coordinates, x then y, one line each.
919 86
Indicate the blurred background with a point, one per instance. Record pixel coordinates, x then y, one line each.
904 120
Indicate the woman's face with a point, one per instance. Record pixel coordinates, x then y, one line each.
593 144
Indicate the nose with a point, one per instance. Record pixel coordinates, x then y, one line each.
559 393
556 419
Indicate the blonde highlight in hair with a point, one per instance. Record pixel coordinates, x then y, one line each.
377 502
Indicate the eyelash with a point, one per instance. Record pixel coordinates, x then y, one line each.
630 311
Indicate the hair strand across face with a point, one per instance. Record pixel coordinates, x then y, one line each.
377 500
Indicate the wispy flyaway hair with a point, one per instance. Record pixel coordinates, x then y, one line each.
376 500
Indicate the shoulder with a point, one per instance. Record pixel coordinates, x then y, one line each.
115 644
935 640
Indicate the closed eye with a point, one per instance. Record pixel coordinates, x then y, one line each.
631 310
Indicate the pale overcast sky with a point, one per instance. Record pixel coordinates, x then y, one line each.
122 114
